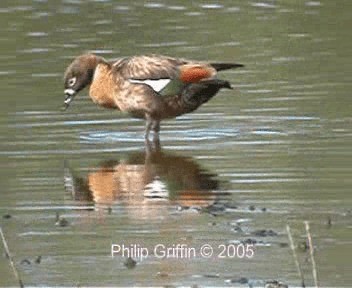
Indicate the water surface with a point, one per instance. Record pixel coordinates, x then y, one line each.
274 151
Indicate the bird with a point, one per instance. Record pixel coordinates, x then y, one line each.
151 87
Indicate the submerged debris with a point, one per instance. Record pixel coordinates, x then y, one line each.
60 221
249 241
265 233
237 228
25 262
303 246
251 208
242 280
214 209
211 275
130 263
162 274
6 216
283 244
230 206
38 259
329 222
275 284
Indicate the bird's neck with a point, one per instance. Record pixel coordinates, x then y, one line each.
102 87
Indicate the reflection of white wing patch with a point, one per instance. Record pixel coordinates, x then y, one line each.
156 85
156 189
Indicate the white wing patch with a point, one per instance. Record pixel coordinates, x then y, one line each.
157 85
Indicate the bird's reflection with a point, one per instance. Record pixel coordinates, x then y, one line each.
142 180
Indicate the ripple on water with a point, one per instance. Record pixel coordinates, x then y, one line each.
177 7
313 3
166 135
265 5
165 44
37 50
212 6
37 34
154 5
122 8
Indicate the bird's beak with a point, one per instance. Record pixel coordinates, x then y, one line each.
69 95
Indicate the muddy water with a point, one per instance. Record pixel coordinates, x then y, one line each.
274 151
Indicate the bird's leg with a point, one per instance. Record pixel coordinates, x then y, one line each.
156 143
148 148
148 127
156 130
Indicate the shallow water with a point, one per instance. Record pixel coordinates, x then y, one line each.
274 151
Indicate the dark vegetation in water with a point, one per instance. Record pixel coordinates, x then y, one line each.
265 233
61 221
275 284
25 262
130 263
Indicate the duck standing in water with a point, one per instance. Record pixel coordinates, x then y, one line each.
151 87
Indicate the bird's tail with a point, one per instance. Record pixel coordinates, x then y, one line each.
198 93
226 66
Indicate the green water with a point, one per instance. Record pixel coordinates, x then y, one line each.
274 151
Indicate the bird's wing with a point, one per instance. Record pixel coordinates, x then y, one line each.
160 72
151 67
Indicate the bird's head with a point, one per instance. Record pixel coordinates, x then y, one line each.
78 75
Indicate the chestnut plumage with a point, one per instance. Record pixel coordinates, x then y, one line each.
152 87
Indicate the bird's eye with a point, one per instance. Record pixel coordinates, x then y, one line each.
72 81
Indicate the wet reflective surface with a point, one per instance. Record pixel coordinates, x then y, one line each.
275 150
145 182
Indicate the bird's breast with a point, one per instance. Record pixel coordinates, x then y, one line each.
103 88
